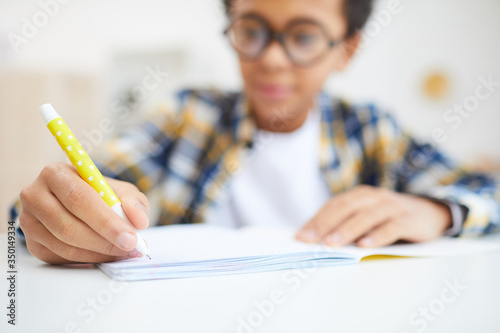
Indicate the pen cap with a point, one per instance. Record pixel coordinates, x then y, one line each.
48 113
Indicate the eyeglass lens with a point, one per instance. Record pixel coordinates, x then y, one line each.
303 41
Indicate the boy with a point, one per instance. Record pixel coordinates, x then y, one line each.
339 173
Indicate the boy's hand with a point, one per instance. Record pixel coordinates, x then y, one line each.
65 221
374 217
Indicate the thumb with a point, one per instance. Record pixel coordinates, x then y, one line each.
134 202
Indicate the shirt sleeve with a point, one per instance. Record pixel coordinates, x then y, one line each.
412 166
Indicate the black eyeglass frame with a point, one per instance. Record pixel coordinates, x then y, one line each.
280 36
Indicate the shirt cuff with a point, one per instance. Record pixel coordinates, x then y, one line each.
458 216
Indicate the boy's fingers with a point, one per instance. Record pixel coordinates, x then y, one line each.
336 211
82 201
136 212
386 234
70 253
69 229
360 224
43 253
134 203
122 188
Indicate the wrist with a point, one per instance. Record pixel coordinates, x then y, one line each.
445 215
456 216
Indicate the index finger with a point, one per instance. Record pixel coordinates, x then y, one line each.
84 202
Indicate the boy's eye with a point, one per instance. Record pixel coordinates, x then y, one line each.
305 42
304 39
253 33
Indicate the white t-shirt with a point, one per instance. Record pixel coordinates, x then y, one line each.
278 184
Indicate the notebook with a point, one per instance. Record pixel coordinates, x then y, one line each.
182 251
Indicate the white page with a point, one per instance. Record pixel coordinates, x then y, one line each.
188 243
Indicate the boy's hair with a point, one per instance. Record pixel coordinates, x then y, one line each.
356 12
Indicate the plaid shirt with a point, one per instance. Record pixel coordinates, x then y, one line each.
190 150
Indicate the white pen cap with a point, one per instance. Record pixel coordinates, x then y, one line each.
48 113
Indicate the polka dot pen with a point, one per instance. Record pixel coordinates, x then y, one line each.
85 167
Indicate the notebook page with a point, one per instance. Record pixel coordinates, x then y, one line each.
189 243
181 244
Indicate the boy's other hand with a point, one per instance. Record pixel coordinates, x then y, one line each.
65 221
373 217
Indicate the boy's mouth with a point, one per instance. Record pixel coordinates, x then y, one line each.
273 92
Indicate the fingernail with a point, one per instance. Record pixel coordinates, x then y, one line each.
309 236
126 240
367 241
142 207
334 239
135 254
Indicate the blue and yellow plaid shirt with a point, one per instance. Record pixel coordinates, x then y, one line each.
190 150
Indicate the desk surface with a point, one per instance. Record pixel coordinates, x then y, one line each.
459 294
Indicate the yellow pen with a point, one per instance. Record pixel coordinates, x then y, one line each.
85 167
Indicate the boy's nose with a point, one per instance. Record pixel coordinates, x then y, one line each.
275 57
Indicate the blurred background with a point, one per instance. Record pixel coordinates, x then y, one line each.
106 62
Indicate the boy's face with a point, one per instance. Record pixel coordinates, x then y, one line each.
280 92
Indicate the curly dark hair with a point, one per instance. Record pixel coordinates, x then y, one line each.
357 13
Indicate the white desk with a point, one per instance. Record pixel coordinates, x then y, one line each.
373 296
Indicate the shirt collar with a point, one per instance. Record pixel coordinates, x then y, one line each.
245 126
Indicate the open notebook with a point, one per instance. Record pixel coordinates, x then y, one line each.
181 251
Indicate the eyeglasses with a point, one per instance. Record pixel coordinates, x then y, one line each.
304 41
